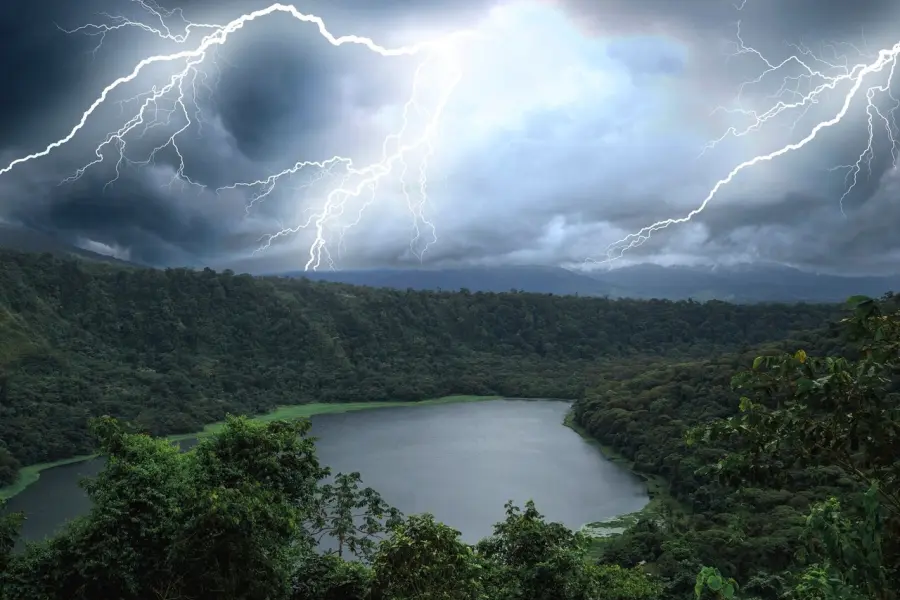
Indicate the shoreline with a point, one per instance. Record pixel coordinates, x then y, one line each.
657 491
30 474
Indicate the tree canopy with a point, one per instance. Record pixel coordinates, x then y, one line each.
781 481
172 350
238 517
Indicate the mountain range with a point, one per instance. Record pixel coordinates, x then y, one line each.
741 284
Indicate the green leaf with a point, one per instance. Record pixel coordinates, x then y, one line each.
805 385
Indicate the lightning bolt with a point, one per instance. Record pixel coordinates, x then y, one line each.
820 76
162 105
170 105
356 181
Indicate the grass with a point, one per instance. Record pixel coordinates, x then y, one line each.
30 474
298 411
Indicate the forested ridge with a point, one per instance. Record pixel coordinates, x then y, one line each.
823 434
173 350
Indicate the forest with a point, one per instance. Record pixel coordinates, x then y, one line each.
769 434
793 488
173 350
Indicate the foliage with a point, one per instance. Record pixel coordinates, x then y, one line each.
614 582
424 559
237 517
171 350
225 517
786 482
354 517
9 530
328 577
830 412
710 579
745 498
536 560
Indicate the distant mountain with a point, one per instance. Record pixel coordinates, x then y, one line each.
542 280
744 284
14 237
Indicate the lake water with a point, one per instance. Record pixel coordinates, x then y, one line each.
461 462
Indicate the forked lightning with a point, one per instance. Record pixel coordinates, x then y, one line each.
181 90
822 77
158 105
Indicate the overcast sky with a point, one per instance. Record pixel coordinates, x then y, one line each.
572 124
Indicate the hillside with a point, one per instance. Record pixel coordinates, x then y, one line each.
172 350
748 502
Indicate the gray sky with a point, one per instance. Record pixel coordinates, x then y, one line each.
573 124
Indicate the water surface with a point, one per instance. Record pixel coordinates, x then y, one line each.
461 462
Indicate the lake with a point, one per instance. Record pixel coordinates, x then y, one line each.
461 462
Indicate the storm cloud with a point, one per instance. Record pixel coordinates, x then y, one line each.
575 123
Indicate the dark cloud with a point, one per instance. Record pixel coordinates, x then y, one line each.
133 214
265 95
41 65
817 20
791 210
569 130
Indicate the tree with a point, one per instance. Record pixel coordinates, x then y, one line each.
354 517
425 560
328 577
615 582
833 411
9 467
224 519
534 560
9 531
242 532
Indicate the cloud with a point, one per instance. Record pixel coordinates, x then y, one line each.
114 251
576 122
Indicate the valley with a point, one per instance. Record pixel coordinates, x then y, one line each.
170 355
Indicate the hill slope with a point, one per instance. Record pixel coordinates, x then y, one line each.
175 349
